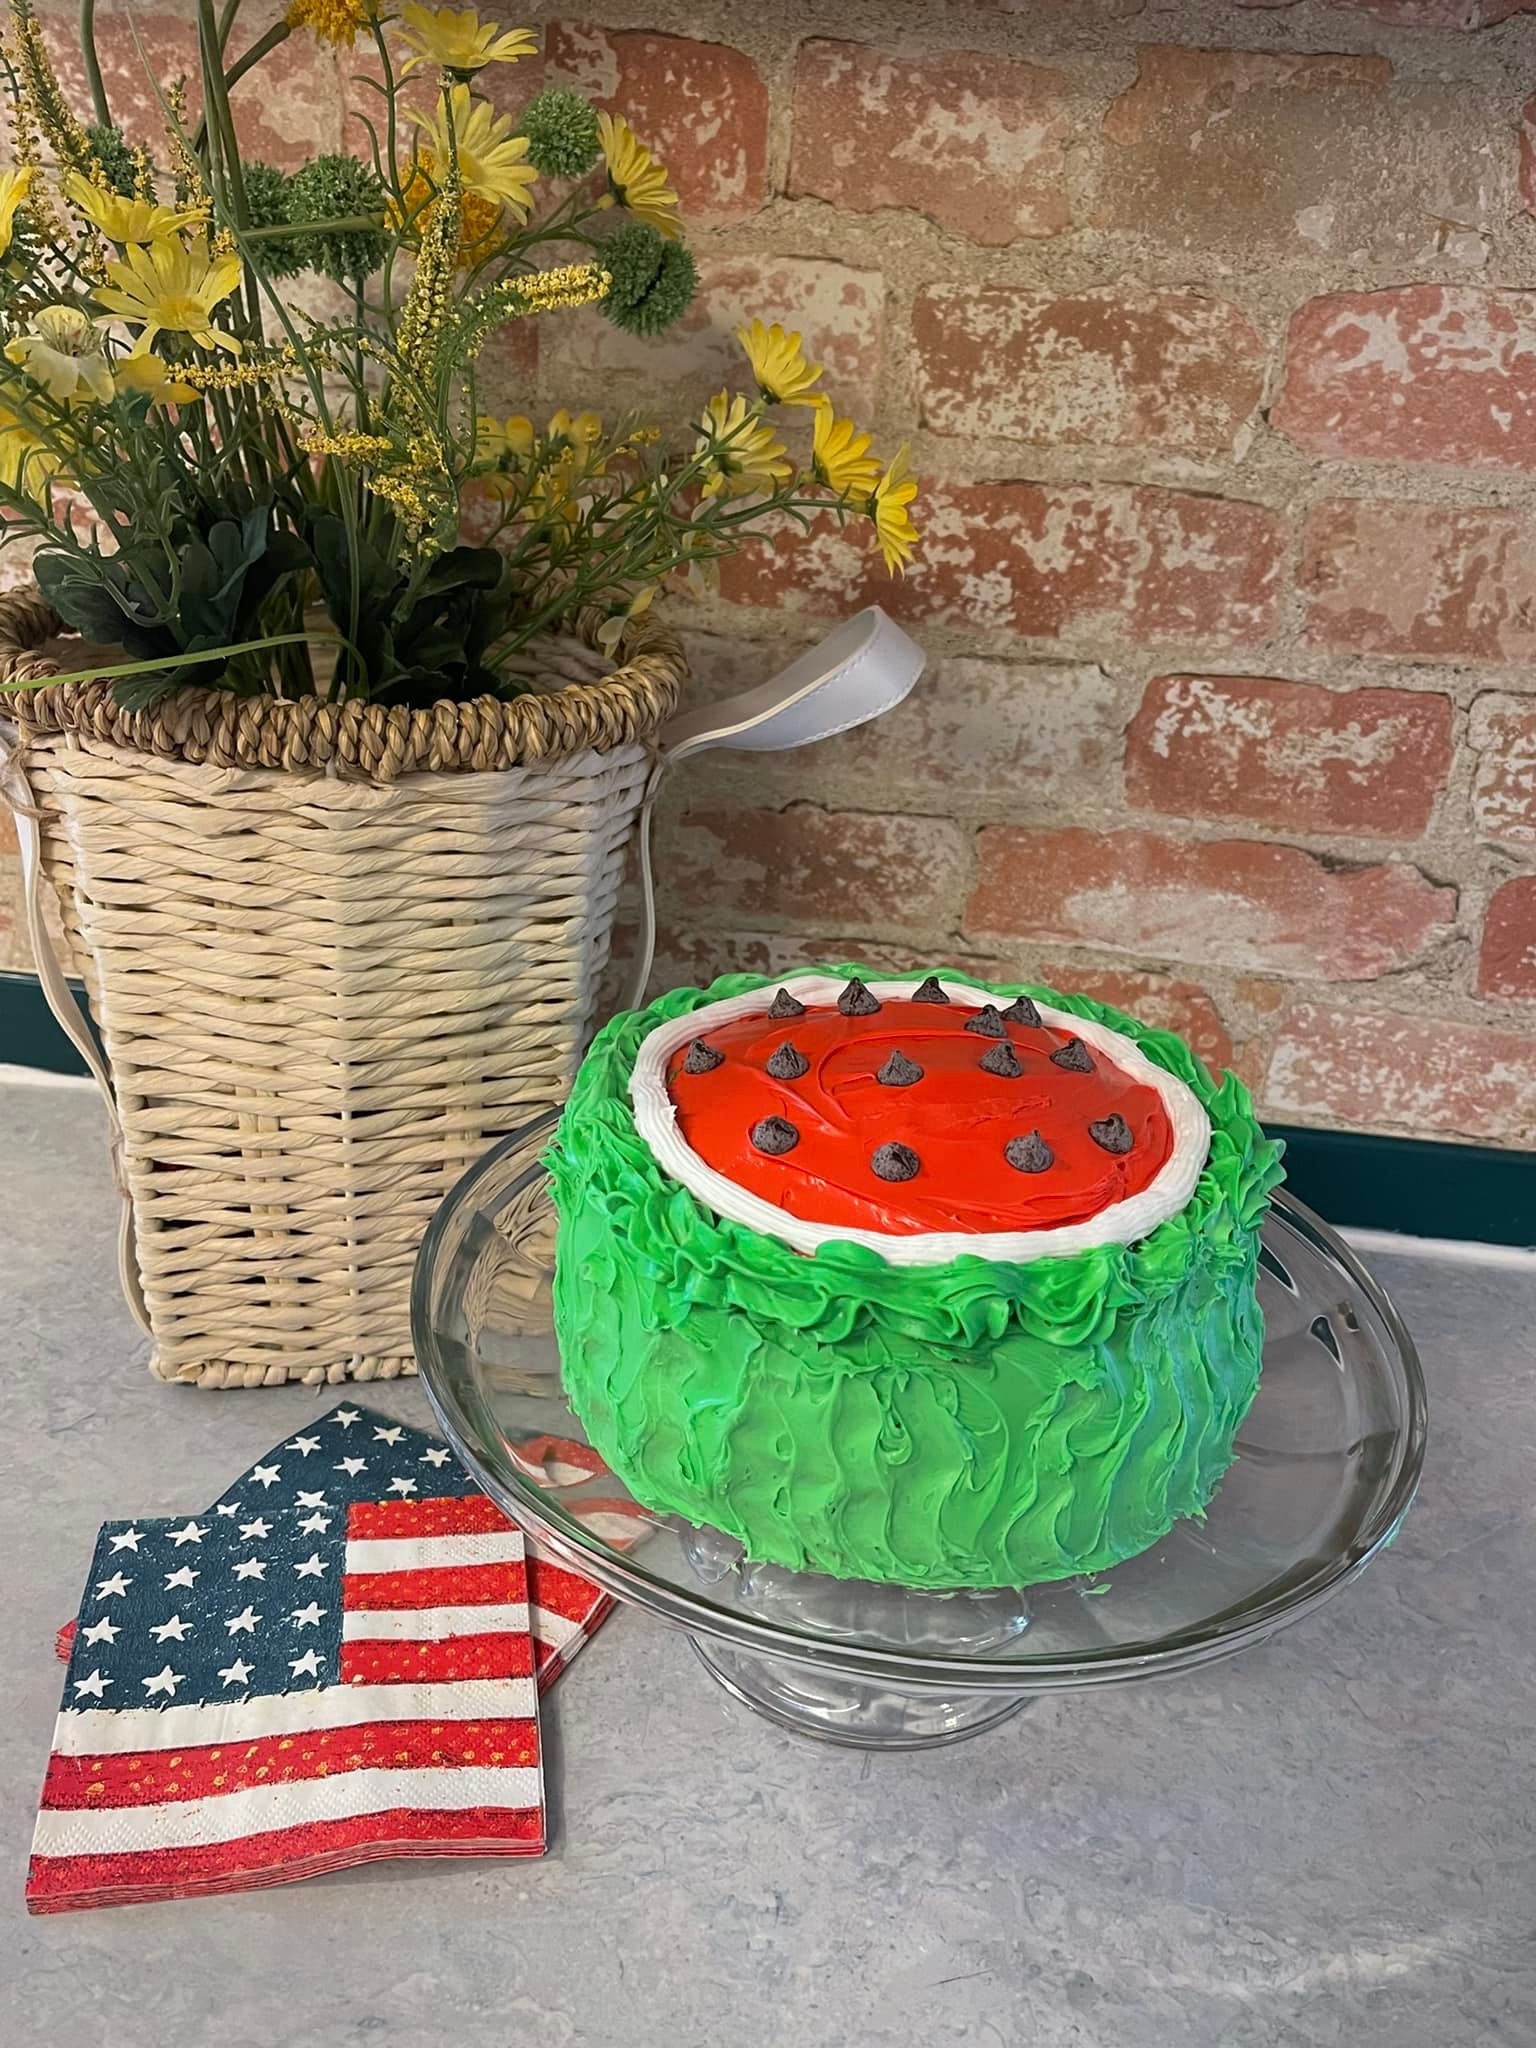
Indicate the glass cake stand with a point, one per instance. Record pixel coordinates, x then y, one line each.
1328 1460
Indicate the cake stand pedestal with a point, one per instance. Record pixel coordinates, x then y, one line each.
1327 1462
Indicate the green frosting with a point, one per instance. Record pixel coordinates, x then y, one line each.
967 1424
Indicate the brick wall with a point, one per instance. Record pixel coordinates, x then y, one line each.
1213 327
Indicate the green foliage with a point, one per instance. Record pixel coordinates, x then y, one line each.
561 128
267 201
414 638
114 152
330 189
654 280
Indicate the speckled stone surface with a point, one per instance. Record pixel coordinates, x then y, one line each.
1329 1841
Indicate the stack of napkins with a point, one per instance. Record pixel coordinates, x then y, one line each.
338 1661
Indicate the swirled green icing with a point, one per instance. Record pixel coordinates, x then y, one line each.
967 1424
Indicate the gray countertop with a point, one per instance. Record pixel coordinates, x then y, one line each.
1329 1840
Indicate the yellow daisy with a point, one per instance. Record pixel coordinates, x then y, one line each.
888 508
62 351
840 455
14 187
129 220
459 41
27 464
783 375
742 453
635 180
491 155
150 377
169 288
331 21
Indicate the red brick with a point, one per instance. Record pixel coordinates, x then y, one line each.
1235 901
840 312
1426 1076
1504 797
977 143
288 109
1147 369
840 871
1048 561
1528 155
1247 150
1507 963
982 735
1156 999
1293 754
1424 582
1425 373
1453 14
702 108
1444 14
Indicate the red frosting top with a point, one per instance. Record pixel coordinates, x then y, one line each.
948 1133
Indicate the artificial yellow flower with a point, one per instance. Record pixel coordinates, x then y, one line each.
331 21
498 440
27 464
611 632
840 455
491 155
169 288
580 432
742 453
14 187
888 508
61 350
129 220
635 180
459 41
151 377
783 375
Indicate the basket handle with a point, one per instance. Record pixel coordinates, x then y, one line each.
865 667
61 1001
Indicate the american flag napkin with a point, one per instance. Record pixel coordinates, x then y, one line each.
271 1690
382 1458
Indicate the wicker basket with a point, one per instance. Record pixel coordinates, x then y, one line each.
333 952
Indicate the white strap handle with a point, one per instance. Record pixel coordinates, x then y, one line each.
66 1011
863 668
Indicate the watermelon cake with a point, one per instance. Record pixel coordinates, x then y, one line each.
909 1278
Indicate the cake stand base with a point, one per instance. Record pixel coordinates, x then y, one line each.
848 1711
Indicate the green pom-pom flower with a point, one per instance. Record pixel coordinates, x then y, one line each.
653 280
114 152
561 128
335 188
266 197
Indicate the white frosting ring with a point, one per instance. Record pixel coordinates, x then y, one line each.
1123 1222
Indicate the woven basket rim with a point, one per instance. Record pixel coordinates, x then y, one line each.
372 741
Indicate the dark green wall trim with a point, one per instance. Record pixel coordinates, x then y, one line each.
1422 1188
28 1035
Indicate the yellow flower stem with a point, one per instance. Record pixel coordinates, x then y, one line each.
185 660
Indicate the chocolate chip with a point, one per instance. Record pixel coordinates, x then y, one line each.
895 1162
775 1134
1021 1011
787 1064
1074 1056
928 992
987 1022
899 1072
1002 1059
702 1058
1030 1154
784 1005
856 1000
1113 1133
